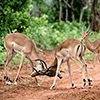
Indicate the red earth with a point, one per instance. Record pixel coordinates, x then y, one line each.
26 88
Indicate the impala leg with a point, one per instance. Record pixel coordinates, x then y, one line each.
99 57
68 64
20 67
10 56
58 66
94 63
83 61
36 81
78 62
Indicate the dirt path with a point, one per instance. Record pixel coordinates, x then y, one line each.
28 90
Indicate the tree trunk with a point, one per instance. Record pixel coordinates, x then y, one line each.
95 17
73 16
88 16
71 7
38 12
81 15
60 15
90 1
66 2
66 19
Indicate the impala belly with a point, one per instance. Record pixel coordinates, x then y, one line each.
64 54
17 48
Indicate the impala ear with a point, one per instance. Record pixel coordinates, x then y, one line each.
91 32
81 32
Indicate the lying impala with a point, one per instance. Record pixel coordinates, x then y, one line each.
19 43
92 46
71 49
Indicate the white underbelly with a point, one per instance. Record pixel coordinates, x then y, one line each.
64 54
17 48
18 51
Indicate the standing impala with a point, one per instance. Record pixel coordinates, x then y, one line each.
92 46
19 43
71 49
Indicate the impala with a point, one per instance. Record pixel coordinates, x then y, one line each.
71 49
19 43
92 46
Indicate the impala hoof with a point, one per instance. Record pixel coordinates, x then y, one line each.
82 87
8 83
73 86
15 83
52 87
60 76
90 79
89 87
38 84
4 77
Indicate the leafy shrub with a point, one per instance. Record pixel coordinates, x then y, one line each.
89 56
2 58
47 35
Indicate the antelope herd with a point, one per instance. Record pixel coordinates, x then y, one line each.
70 49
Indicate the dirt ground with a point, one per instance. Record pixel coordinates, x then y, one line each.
28 90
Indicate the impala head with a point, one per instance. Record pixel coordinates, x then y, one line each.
85 34
41 70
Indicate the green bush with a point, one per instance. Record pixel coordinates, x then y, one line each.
48 35
89 56
14 61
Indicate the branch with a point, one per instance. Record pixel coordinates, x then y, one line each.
69 5
81 15
60 15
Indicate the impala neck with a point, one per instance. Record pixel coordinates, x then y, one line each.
54 62
34 56
89 44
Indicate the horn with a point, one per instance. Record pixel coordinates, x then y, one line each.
83 28
49 68
51 75
88 28
42 61
35 70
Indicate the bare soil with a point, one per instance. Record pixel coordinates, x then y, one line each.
28 90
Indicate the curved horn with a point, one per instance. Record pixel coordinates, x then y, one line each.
83 28
35 70
49 68
41 61
88 28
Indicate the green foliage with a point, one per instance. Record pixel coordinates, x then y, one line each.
49 35
77 8
19 16
13 17
48 7
16 60
2 58
89 56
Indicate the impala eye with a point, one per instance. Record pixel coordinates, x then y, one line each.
39 71
85 35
